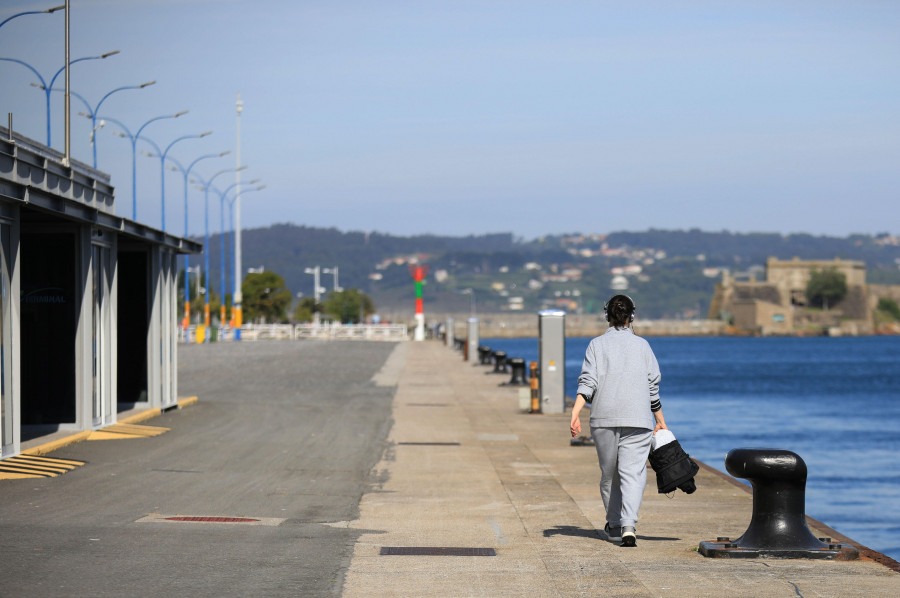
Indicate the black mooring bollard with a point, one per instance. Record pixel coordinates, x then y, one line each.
778 524
484 355
500 363
517 365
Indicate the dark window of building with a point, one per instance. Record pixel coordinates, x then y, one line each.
49 313
134 326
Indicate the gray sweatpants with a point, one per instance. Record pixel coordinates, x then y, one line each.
622 453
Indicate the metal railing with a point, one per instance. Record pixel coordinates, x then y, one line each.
367 332
257 332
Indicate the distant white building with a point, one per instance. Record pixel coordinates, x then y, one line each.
619 283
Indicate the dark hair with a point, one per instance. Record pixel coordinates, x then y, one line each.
620 311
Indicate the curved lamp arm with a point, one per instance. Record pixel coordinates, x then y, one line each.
32 12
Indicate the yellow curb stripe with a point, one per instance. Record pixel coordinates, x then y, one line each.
141 417
36 469
25 466
48 473
136 430
124 431
102 435
36 466
188 402
57 444
53 460
126 428
46 461
17 476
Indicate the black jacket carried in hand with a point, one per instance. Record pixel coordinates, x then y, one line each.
674 468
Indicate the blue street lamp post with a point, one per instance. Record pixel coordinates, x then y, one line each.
32 12
162 171
92 113
186 172
133 139
49 87
223 270
206 185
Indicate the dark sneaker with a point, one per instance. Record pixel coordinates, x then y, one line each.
613 534
628 537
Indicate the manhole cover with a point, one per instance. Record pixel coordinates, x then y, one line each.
435 551
221 519
214 519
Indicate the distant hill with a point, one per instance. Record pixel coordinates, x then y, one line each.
725 248
670 273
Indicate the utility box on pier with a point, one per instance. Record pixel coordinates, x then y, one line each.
449 336
472 340
552 360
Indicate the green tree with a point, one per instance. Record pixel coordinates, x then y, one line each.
198 304
890 307
265 297
349 306
305 308
826 287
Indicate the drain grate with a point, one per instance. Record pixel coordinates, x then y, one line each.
435 551
214 519
428 443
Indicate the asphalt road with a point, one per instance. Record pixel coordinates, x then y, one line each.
286 430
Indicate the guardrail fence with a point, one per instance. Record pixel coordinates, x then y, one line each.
258 332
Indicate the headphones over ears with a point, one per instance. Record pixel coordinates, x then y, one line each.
610 300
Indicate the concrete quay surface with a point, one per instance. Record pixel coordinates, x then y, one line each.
513 483
340 449
284 433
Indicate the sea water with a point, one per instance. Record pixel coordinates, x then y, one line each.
833 401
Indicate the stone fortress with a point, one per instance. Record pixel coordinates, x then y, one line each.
778 305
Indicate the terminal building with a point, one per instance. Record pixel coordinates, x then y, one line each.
88 322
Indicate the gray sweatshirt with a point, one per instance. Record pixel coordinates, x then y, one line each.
620 380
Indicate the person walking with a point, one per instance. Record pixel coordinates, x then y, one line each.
620 381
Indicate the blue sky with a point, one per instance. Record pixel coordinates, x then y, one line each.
530 117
